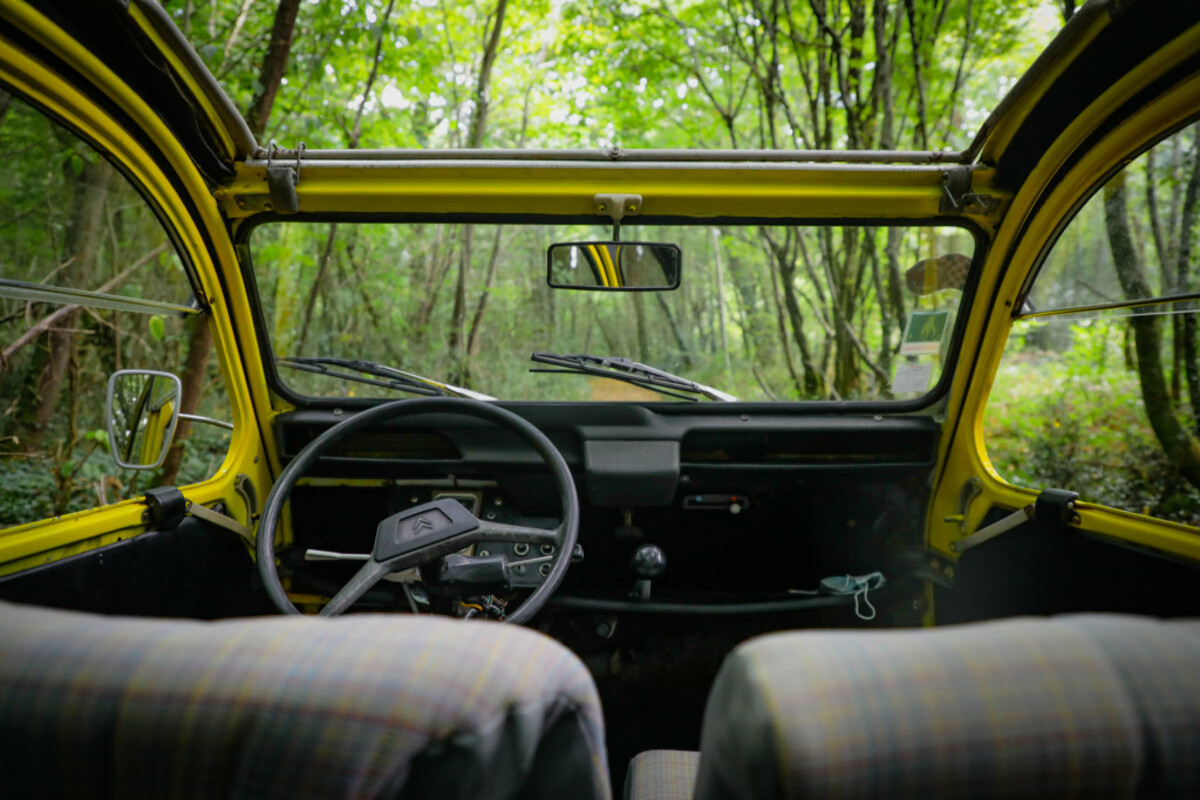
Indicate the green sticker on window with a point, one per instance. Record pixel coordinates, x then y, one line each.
925 333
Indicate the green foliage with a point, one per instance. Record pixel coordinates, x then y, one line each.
157 326
68 219
386 294
1075 420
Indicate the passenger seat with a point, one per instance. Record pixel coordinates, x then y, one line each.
1089 706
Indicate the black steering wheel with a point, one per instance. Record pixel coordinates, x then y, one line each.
429 531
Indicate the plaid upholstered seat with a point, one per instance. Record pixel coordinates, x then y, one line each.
663 775
364 706
1083 706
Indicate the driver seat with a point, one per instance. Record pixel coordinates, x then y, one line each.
364 706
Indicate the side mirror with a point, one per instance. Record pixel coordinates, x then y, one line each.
931 275
613 266
142 411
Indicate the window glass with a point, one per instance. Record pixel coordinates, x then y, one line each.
69 219
1104 401
763 313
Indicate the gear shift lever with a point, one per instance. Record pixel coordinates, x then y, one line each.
648 562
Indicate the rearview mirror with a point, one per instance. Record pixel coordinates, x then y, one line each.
142 411
613 266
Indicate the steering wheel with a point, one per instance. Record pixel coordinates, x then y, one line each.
428 531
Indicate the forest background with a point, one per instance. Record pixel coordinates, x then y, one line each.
821 74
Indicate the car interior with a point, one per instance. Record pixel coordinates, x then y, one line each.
576 575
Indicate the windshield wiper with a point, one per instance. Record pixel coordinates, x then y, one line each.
624 369
393 378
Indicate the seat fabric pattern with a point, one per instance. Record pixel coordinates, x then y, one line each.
361 707
1095 706
662 775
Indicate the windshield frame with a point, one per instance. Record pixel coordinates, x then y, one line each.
927 403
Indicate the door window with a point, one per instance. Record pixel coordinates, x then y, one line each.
70 219
1099 387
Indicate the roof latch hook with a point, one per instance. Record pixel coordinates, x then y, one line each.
282 180
957 197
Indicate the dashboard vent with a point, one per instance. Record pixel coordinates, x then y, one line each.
381 444
809 447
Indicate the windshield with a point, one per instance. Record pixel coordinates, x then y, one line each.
761 313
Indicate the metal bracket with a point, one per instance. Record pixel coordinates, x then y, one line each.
245 489
282 180
957 197
1013 520
1053 510
221 520
165 507
969 491
617 207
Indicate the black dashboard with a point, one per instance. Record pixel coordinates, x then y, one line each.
748 511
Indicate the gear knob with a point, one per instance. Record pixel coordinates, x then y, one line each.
649 561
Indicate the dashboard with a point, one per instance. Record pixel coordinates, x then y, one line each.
682 512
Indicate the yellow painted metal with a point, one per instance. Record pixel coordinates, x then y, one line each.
1033 221
605 267
810 191
1022 224
199 231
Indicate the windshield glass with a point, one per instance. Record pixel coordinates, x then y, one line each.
761 313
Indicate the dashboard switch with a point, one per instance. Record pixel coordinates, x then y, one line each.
733 503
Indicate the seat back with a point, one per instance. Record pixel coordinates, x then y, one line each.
1081 706
359 706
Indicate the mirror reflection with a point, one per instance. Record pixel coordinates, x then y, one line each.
613 266
932 275
143 408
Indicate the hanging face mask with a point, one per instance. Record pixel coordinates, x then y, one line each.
858 585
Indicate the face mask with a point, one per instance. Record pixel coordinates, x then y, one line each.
857 585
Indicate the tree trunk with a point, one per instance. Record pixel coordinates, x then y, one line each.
194 368
844 292
458 313
458 346
720 304
1180 447
812 388
641 326
318 283
915 38
36 406
274 64
685 356
483 91
200 334
481 306
1186 351
494 260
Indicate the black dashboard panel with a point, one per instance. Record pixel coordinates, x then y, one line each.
745 507
746 439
